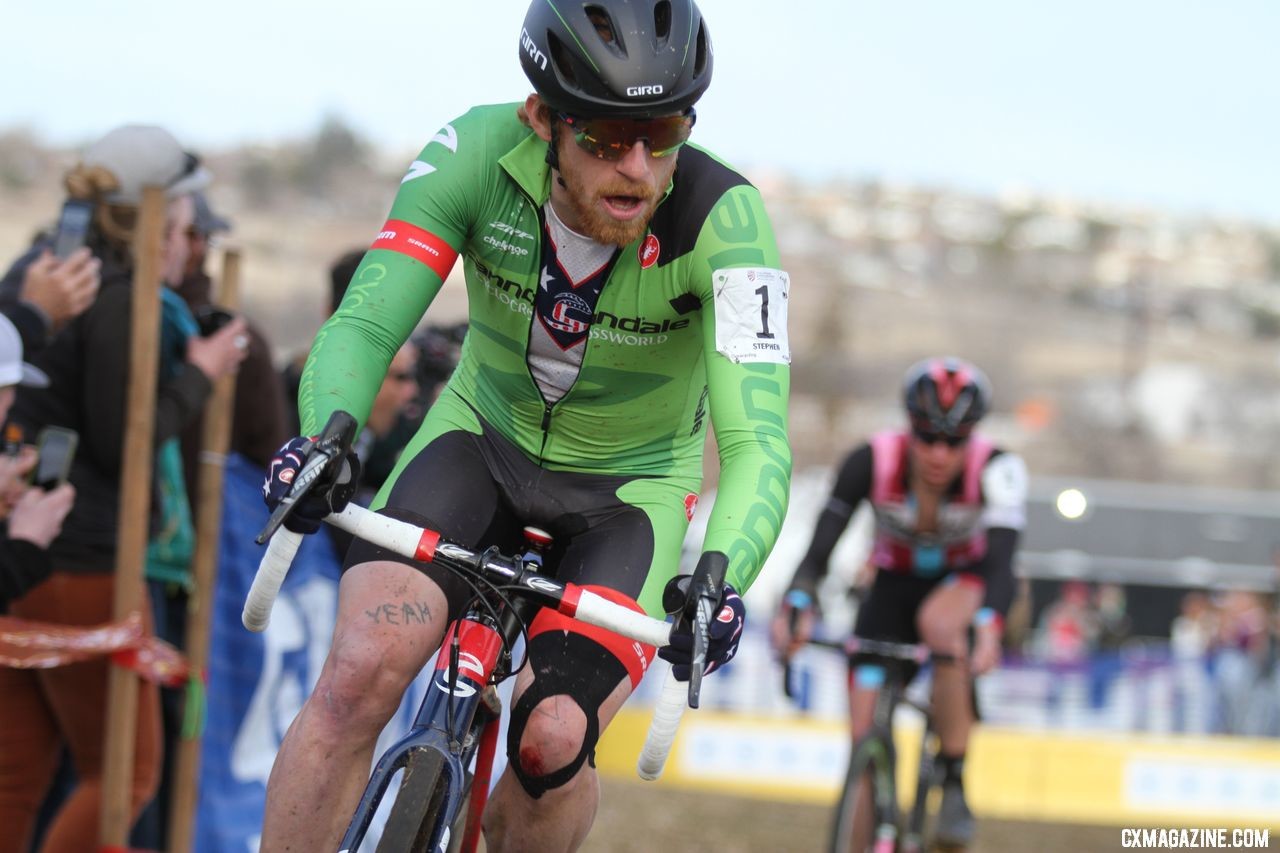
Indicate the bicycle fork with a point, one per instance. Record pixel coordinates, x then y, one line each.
435 752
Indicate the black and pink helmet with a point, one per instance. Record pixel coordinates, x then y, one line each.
945 396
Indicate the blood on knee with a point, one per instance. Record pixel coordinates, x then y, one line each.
553 735
531 761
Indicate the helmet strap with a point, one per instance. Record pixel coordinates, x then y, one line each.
553 151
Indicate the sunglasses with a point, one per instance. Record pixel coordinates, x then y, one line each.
931 438
612 138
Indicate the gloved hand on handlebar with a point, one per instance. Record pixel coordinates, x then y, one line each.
331 493
793 624
724 634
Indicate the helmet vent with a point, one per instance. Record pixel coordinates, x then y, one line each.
560 56
605 30
662 20
700 58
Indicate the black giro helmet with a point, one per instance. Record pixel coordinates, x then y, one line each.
600 58
946 395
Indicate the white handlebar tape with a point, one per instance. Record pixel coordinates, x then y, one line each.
662 731
399 537
603 613
266 583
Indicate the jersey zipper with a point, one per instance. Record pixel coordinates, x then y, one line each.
548 408
546 429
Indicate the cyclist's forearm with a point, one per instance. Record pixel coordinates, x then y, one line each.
387 297
751 500
813 568
997 569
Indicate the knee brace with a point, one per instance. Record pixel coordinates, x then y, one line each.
580 662
567 665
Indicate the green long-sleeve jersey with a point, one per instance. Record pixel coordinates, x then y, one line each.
690 326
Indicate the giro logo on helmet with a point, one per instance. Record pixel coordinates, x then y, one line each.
526 41
637 91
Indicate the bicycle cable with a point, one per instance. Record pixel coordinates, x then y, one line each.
480 585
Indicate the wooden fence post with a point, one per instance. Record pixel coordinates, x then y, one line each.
135 513
214 442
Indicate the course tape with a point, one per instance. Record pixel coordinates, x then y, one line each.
25 644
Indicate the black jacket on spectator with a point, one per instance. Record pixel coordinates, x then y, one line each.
87 362
23 564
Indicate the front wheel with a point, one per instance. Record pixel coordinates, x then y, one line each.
415 816
866 817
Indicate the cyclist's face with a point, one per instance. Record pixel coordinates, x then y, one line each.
610 201
937 463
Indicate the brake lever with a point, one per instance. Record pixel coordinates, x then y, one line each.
704 591
333 443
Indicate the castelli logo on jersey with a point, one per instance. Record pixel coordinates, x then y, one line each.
690 504
649 252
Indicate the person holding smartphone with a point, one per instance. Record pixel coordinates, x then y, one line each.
31 515
88 367
42 296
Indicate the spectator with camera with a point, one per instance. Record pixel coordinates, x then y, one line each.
32 515
87 363
258 418
257 429
40 297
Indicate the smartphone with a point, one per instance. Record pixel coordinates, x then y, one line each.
211 318
73 227
55 448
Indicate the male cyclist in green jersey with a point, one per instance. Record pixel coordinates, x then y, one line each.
624 292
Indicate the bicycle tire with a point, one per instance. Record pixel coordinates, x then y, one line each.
459 827
871 762
415 812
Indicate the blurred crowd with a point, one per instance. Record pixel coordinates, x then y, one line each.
1080 622
1223 648
65 315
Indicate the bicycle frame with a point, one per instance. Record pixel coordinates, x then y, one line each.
877 749
444 733
474 653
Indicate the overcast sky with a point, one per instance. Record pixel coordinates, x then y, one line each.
1171 103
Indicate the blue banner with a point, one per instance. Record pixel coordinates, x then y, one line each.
256 682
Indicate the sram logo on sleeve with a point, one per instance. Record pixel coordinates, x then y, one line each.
418 243
751 314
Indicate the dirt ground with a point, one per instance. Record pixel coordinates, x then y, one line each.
639 818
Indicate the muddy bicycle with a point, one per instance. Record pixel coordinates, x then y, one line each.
445 759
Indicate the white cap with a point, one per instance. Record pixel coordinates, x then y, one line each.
13 370
141 155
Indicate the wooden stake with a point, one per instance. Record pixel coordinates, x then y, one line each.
214 442
135 512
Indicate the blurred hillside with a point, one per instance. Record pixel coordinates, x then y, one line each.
1122 343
